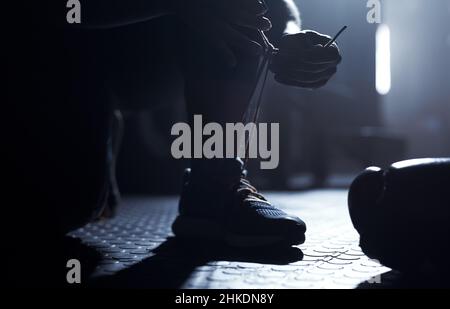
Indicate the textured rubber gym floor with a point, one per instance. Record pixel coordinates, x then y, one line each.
139 250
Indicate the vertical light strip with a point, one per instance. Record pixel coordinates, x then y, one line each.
383 59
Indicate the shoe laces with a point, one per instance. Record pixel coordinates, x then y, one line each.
246 191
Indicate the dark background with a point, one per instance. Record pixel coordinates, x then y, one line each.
328 135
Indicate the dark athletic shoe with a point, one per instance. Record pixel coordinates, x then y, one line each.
226 207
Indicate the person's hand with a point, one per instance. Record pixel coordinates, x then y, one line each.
303 61
218 21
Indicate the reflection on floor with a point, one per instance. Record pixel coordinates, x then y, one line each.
138 250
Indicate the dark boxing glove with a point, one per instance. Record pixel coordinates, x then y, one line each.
403 214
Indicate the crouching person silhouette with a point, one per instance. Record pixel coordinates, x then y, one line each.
130 51
216 46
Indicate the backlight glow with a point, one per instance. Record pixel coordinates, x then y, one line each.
383 59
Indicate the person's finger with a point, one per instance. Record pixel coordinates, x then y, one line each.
301 85
317 38
294 83
283 62
295 42
319 54
306 77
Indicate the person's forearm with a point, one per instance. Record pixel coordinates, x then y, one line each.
114 13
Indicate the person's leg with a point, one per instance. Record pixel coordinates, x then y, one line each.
217 201
140 73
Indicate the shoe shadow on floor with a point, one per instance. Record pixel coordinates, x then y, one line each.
175 260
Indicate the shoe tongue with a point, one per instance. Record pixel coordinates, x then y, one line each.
217 171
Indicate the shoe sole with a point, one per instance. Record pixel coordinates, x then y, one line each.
195 228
